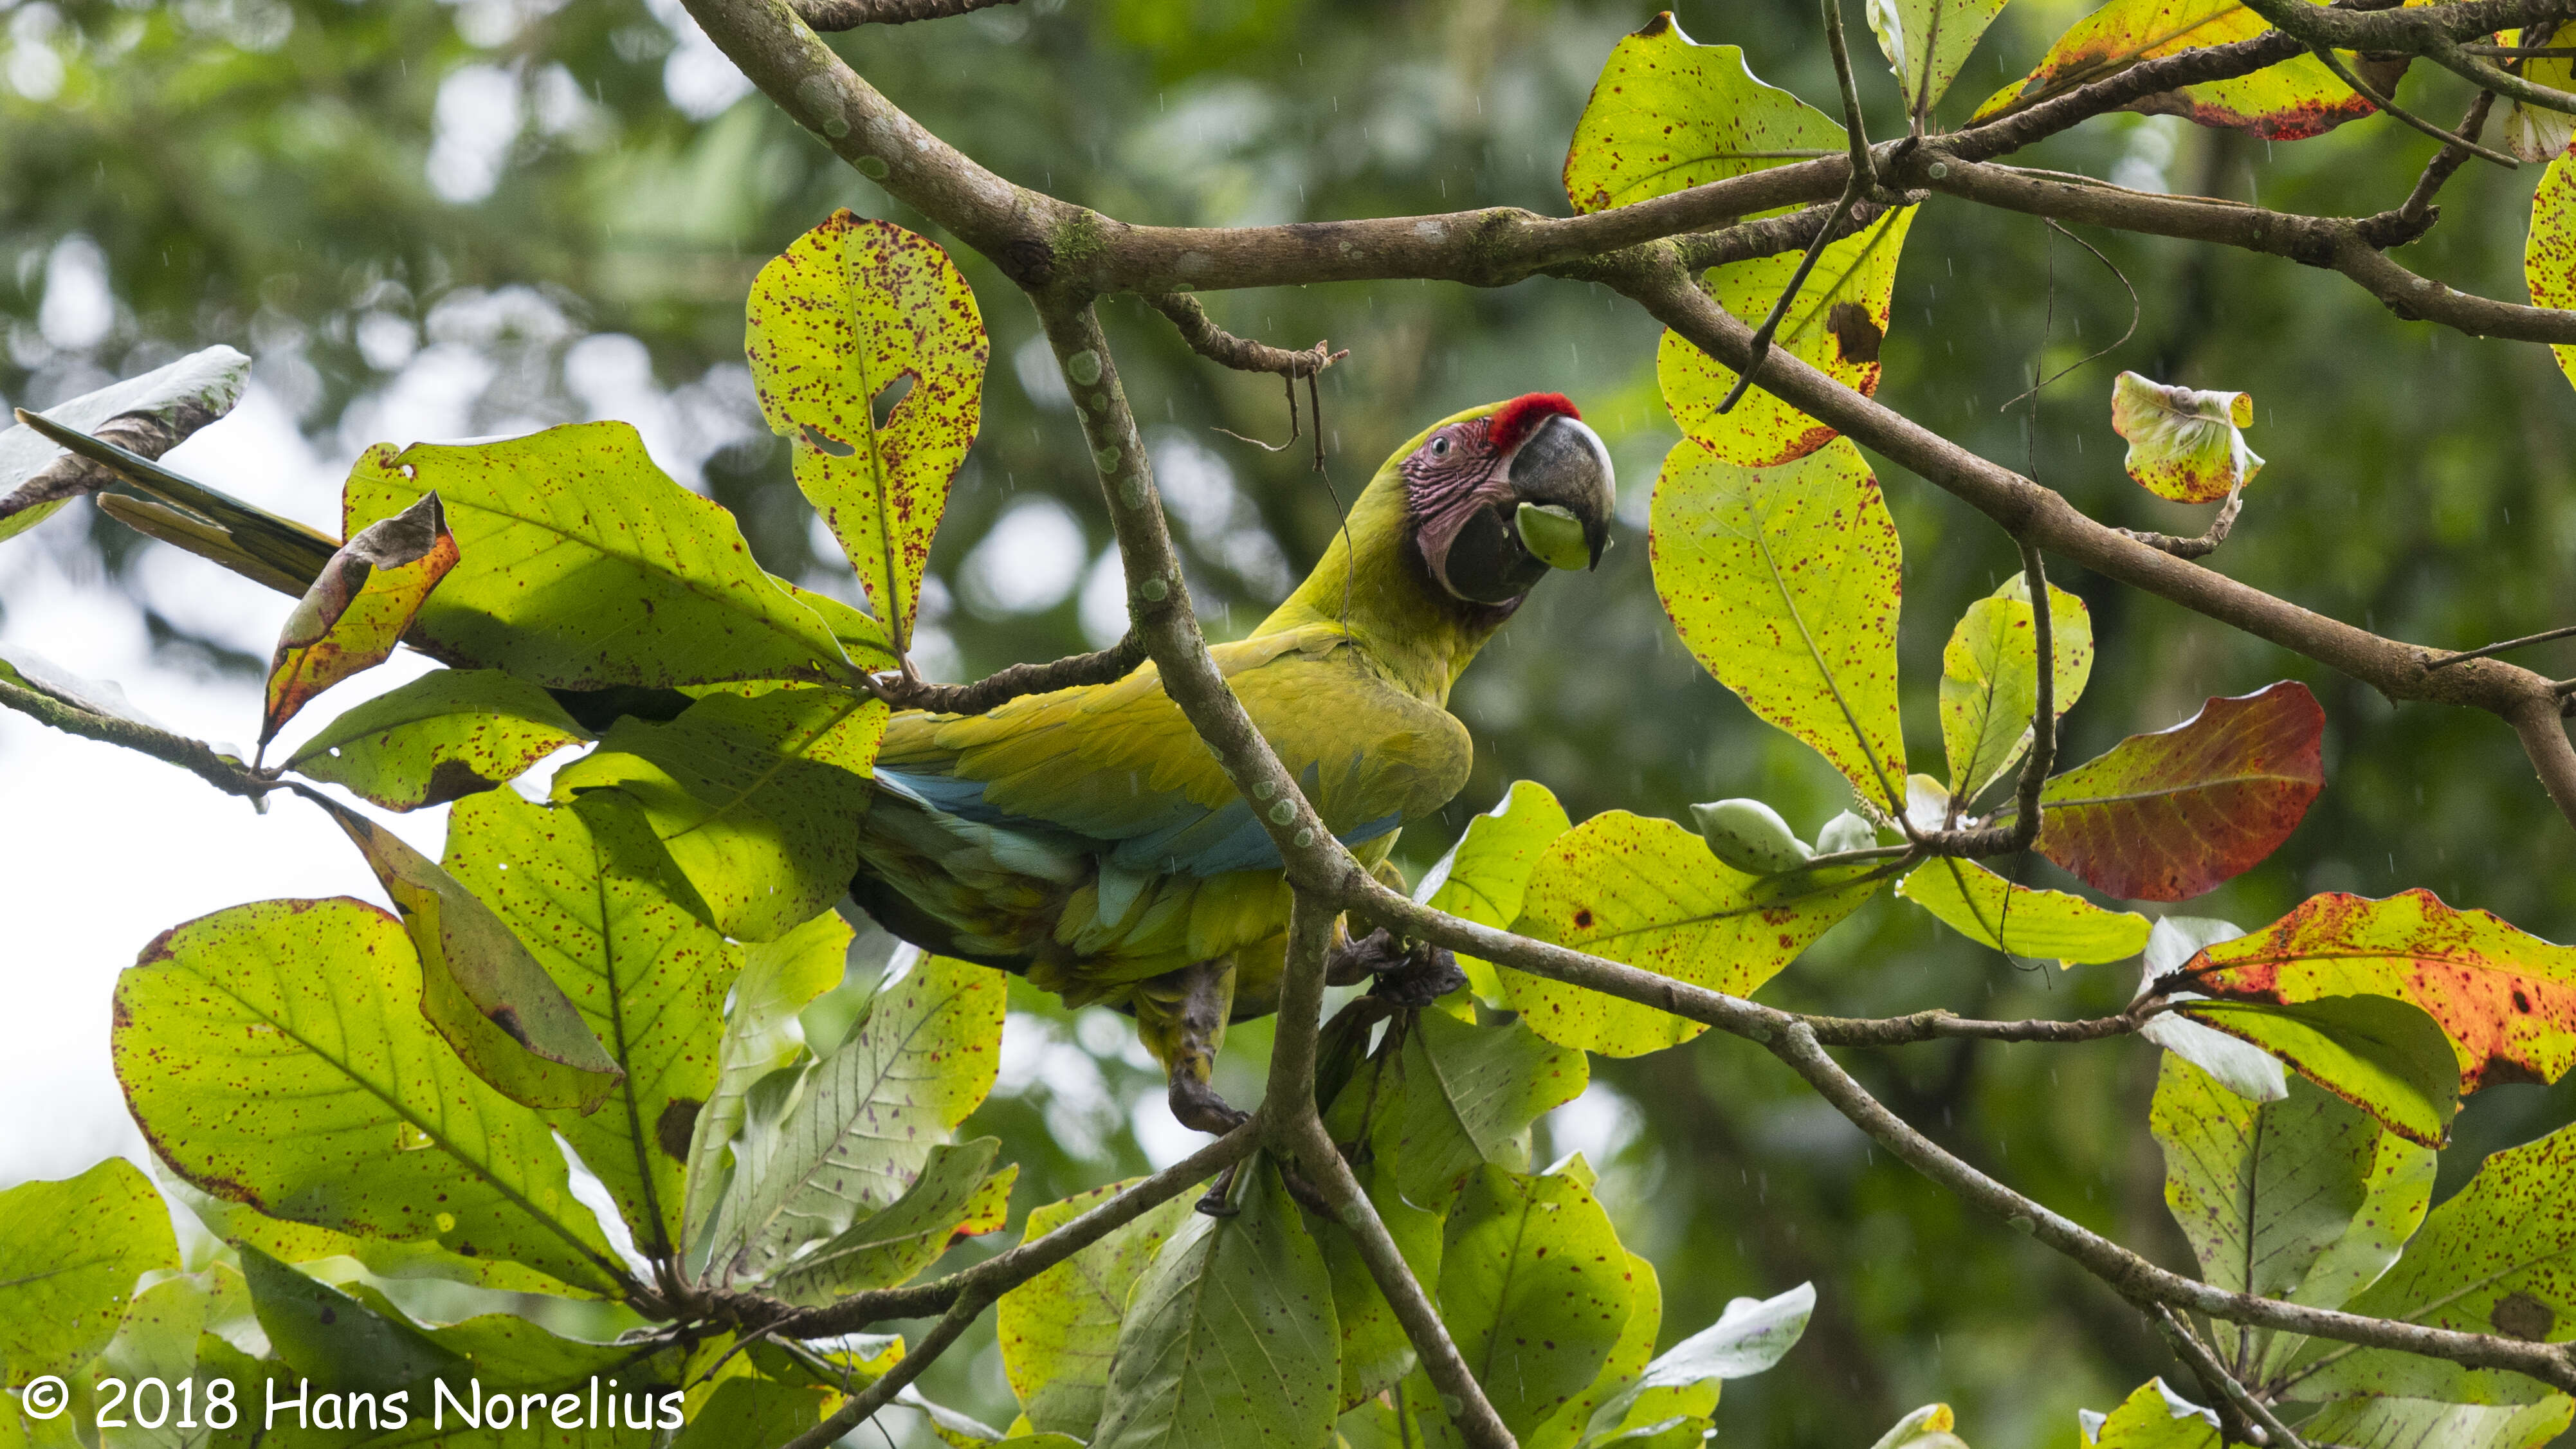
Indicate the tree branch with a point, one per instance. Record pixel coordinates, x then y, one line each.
2214 1376
1225 349
851 14
1105 666
194 756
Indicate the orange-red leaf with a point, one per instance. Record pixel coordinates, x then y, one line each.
2166 816
356 612
2505 998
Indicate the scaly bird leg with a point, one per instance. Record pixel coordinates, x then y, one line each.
1408 974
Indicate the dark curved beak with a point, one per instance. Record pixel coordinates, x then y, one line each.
1564 465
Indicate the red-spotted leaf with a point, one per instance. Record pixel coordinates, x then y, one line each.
869 356
2549 251
487 996
1669 114
2184 444
2505 998
2166 816
356 612
2290 101
2379 1053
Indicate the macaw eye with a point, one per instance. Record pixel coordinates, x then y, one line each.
1440 447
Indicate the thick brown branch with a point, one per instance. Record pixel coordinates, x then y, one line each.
851 14
1103 666
1242 354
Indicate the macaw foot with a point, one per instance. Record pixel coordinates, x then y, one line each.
1412 974
1218 1202
1196 1105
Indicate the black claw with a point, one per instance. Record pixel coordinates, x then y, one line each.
1425 974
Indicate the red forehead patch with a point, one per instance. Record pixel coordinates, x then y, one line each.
1516 419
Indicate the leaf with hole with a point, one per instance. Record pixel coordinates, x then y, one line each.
356 612
1990 679
1229 1340
1785 583
1835 324
2505 998
869 356
757 799
2381 1054
2184 444
275 1054
507 1018
2289 101
442 737
2167 816
1648 893
583 565
1058 1328
2042 925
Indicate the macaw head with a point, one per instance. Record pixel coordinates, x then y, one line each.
1500 494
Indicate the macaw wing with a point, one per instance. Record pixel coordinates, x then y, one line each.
1119 765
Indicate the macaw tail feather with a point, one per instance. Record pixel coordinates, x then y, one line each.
251 541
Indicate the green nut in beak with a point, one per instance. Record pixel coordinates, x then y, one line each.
1552 533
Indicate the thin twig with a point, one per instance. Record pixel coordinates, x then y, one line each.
1105 666
2417 210
194 756
2136 311
2370 93
2212 1373
2208 542
2447 660
866 1402
2477 72
2524 52
851 14
1242 354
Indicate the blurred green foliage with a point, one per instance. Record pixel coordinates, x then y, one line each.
496 215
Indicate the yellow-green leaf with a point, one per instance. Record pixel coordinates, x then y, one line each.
2184 444
1668 114
2040 924
2549 252
1648 893
1784 582
957 1195
1058 1328
1926 41
2537 133
442 737
70 1253
2380 1053
1835 325
2155 1417
852 312
1482 877
1990 679
2290 101
356 612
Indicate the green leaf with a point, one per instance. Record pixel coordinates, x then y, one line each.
756 799
1749 1337
2185 445
1648 893
957 1195
1668 114
2166 816
2537 133
1784 582
2155 1417
2303 1199
761 1035
2290 101
1836 325
1375 1351
2549 251
1928 1427
1483 876
2382 1054
2423 1424
590 893
1059 1328
1628 1358
749 1413
70 1253
851 312
1229 1340
507 1018
160 1339
205 383
921 1059
274 1055
2026 921
583 565
1463 1096
1926 41
336 1339
356 611
1535 1289
1990 679
2498 1257
442 737
2506 999
293 1242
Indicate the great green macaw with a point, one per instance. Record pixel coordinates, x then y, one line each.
1086 839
